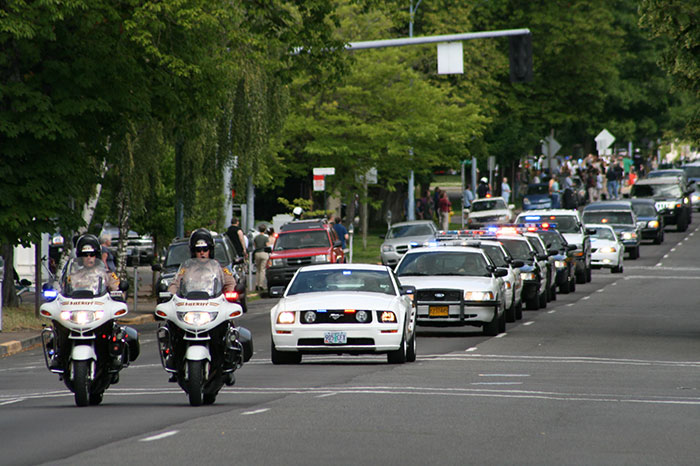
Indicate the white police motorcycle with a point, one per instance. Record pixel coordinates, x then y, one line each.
199 343
84 344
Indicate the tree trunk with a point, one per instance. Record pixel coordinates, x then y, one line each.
9 295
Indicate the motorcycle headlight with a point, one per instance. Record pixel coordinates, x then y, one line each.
608 250
629 235
196 317
560 264
81 317
322 259
528 275
478 296
277 262
387 248
285 317
653 224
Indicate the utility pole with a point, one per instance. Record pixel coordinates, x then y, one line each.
411 205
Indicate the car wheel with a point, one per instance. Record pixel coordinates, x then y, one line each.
659 238
634 253
543 300
682 224
510 312
398 356
502 323
411 349
565 287
519 311
572 284
617 269
533 303
553 293
580 277
589 274
491 328
283 357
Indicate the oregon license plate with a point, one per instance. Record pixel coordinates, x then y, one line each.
335 338
439 311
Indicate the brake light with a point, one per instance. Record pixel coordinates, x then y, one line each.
231 296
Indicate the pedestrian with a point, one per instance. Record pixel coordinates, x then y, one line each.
342 233
505 190
235 234
261 255
611 177
106 250
468 196
444 206
437 194
554 192
427 203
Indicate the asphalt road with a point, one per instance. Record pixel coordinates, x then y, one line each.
609 374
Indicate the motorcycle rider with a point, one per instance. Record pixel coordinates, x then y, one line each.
201 245
88 269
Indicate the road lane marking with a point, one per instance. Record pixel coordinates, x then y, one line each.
473 348
257 411
660 277
496 383
501 335
570 304
585 297
326 395
17 400
551 312
529 322
600 290
159 436
504 375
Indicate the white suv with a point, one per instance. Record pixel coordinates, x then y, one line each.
455 286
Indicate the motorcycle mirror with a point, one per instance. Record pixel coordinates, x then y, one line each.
156 267
123 285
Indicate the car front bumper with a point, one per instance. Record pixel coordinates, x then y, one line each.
458 313
605 259
361 338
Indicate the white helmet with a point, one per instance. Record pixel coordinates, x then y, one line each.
484 180
297 212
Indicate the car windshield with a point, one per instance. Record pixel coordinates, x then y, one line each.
613 217
656 190
462 263
518 248
84 274
553 240
644 210
538 189
496 255
368 281
535 242
201 275
401 231
564 223
493 204
692 171
662 173
302 240
603 233
179 253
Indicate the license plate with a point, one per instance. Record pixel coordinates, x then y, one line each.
335 338
439 311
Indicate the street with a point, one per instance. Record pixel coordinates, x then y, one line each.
609 374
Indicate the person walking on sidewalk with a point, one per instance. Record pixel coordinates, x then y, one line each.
445 206
260 255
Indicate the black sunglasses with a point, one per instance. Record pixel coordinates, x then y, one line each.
201 248
90 254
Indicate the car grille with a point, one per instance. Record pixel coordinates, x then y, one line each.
487 219
299 261
439 295
401 249
335 317
351 342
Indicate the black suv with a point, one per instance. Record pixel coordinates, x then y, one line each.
179 251
672 196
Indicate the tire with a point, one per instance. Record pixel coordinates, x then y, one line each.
543 300
572 284
491 328
533 303
617 269
283 357
580 277
553 293
519 311
195 382
682 223
244 305
81 382
510 313
659 238
502 323
589 274
398 356
209 398
634 253
565 288
96 398
411 348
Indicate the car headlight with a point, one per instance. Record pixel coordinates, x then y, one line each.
388 317
286 317
608 250
387 248
653 224
362 316
322 259
197 317
560 264
629 235
81 317
695 197
528 275
277 262
478 296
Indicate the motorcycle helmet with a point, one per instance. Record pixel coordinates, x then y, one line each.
199 238
297 212
87 244
484 180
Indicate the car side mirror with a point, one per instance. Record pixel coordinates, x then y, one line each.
543 257
408 290
570 247
25 282
511 206
277 291
156 267
499 272
517 264
552 252
590 231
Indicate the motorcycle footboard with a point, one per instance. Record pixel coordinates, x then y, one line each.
48 338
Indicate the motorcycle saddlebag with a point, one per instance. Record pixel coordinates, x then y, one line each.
246 339
132 339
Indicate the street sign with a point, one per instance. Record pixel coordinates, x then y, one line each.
324 171
450 58
550 146
603 140
319 183
492 162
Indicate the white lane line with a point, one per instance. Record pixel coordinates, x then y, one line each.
673 249
501 335
585 297
551 312
159 436
570 304
600 290
661 277
614 284
496 383
658 265
665 256
530 322
11 401
257 411
326 395
504 375
473 348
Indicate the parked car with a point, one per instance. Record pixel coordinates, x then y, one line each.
490 211
403 236
537 197
140 248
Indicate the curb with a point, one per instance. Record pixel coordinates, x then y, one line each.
16 346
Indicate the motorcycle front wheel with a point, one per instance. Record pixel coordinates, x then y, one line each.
81 382
195 382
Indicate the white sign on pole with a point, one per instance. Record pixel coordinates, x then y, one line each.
324 171
603 141
319 183
550 146
450 58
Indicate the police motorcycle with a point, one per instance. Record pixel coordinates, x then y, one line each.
84 344
199 343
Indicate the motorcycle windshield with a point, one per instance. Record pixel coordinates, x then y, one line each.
202 276
84 275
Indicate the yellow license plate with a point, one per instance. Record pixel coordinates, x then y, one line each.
439 311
